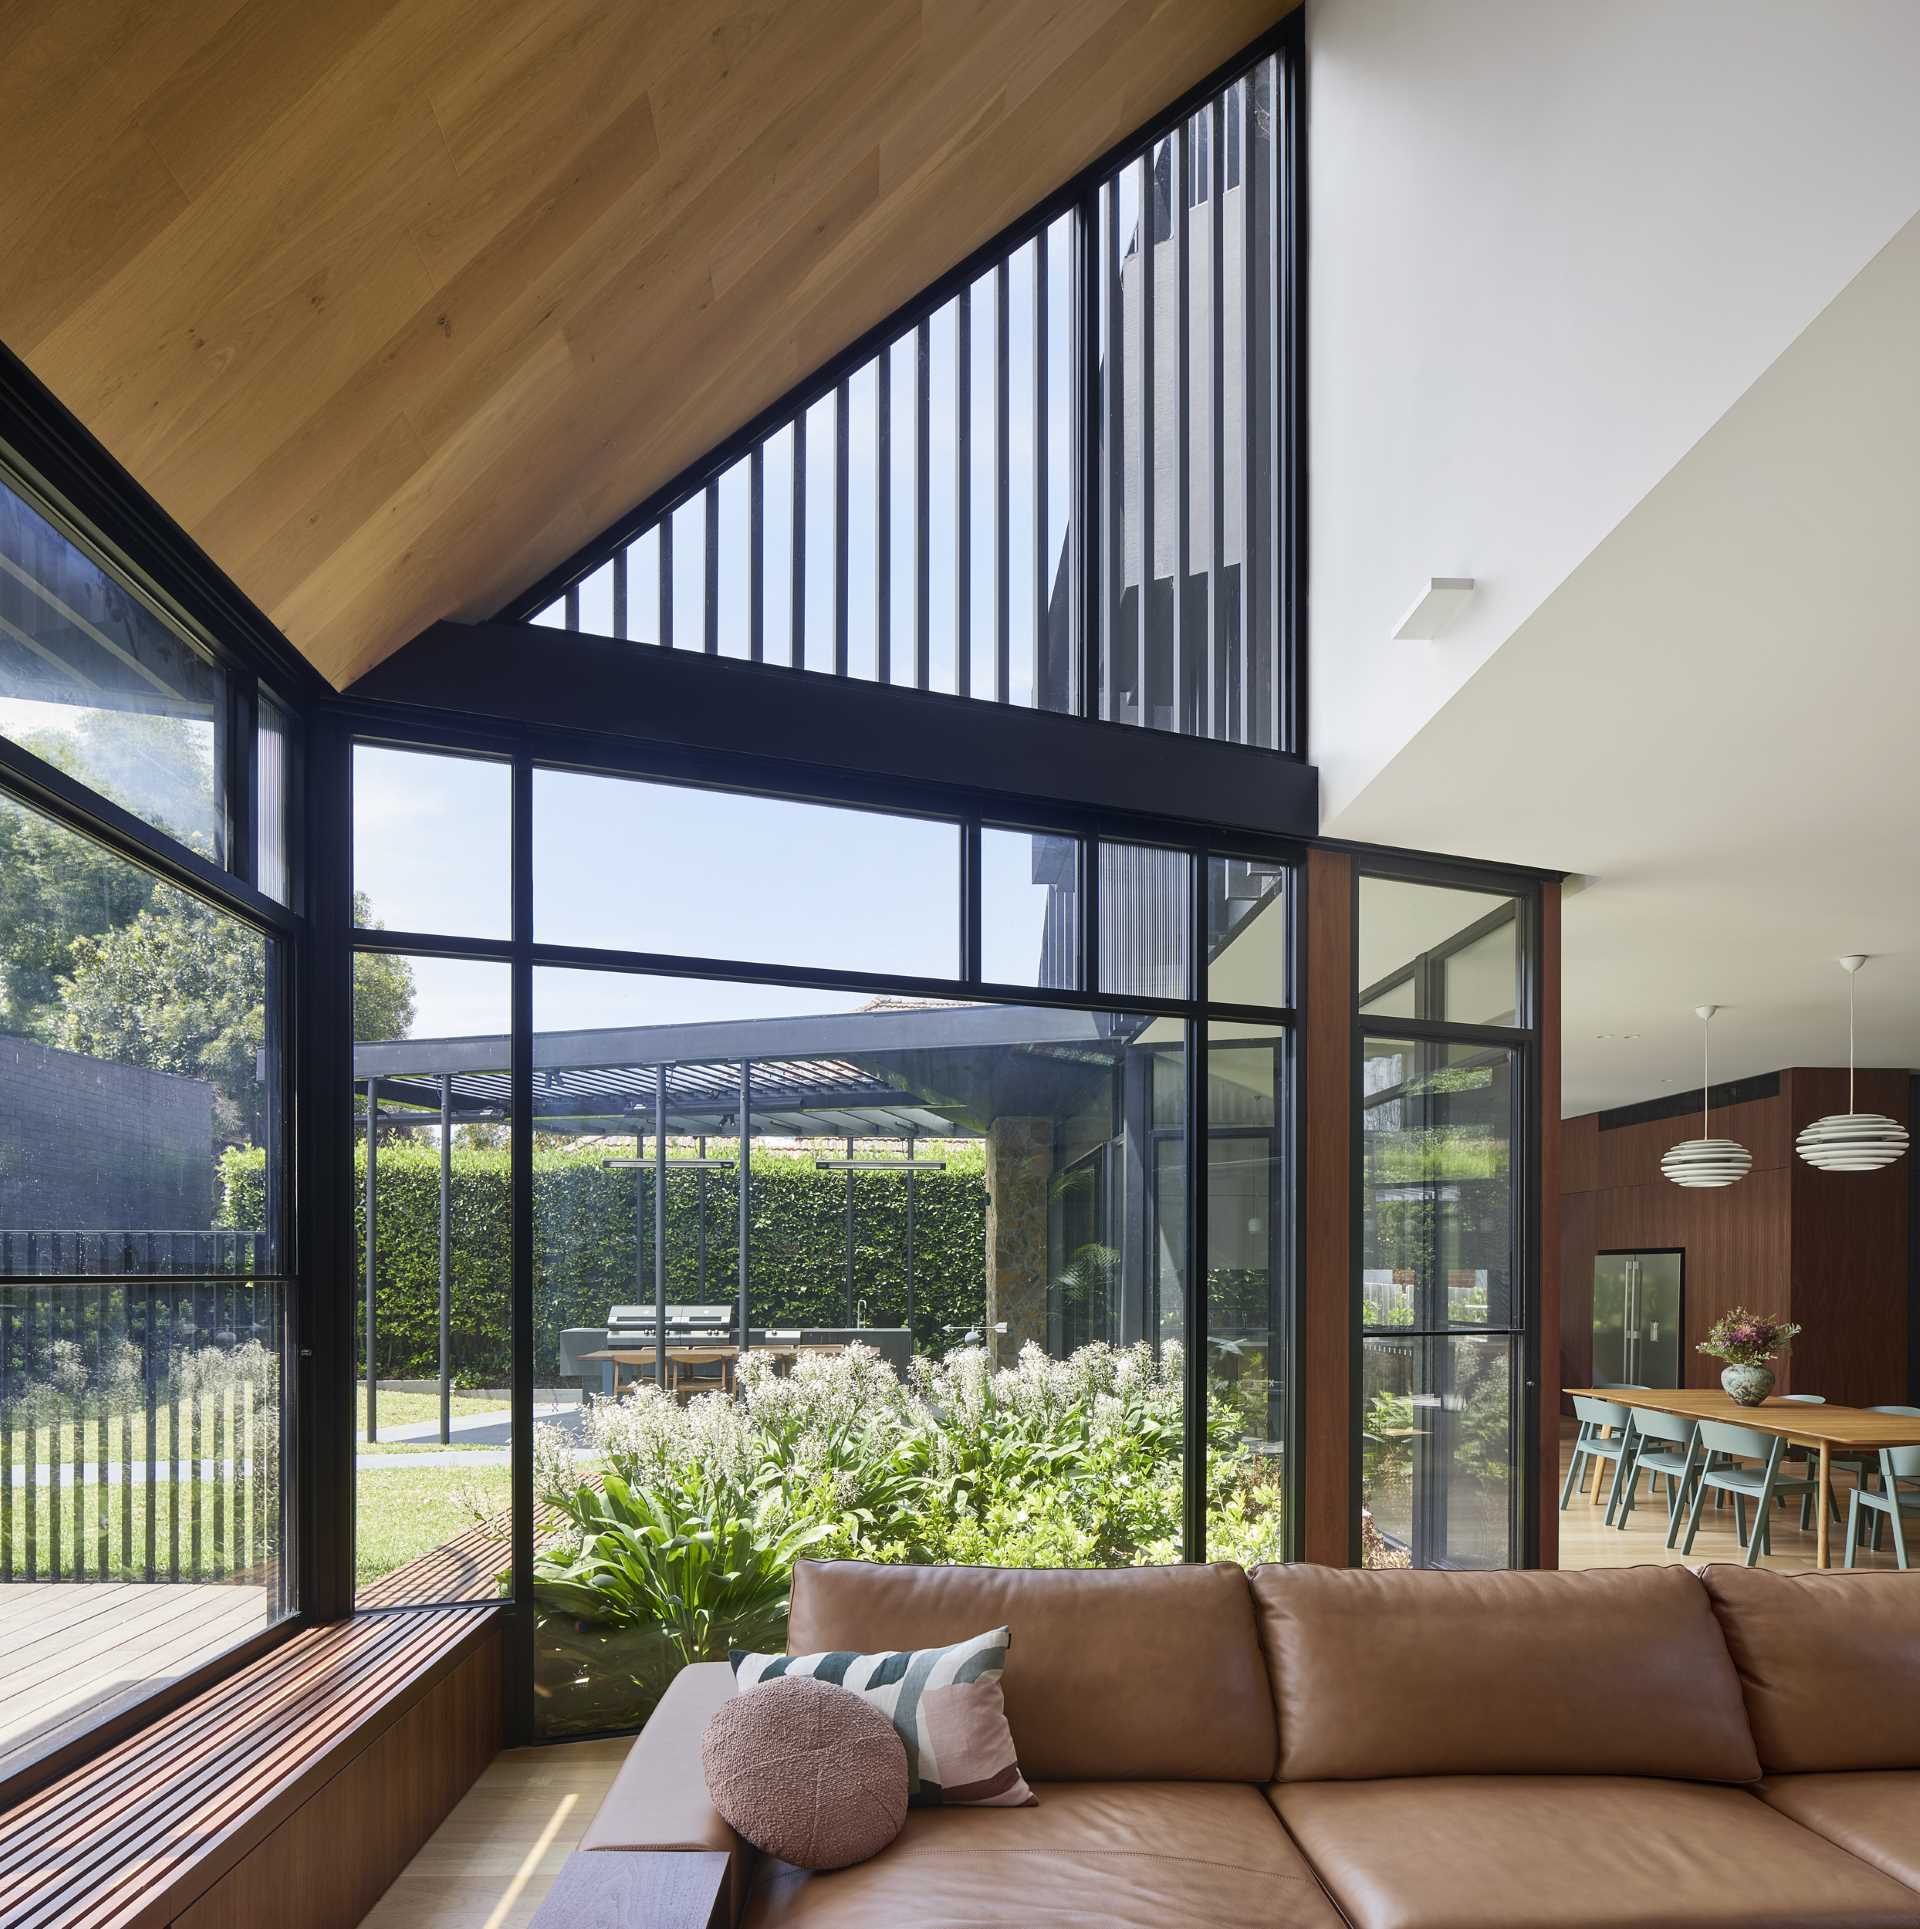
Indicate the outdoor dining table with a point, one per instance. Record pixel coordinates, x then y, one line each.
1825 1429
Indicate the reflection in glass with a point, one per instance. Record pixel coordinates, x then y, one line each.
430 842
960 1253
1246 932
1248 1295
760 879
142 1324
1437 1440
272 798
434 1182
1029 908
1145 912
1437 1239
96 684
1432 951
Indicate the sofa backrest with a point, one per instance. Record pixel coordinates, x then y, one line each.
1829 1664
1615 1672
1142 1673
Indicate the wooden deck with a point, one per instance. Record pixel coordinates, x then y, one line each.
73 1652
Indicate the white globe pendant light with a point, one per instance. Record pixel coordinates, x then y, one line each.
1706 1161
1852 1141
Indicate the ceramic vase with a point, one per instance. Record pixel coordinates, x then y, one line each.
1747 1386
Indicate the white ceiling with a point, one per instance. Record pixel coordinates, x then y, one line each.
1716 718
1552 245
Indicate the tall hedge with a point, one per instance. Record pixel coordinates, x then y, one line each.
586 1256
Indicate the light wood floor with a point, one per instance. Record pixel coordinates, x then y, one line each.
72 1652
490 1863
1586 1540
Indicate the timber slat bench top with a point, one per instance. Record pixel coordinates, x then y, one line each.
135 1835
625 1889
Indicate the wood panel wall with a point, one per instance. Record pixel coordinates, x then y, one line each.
331 1860
1326 1376
1827 1249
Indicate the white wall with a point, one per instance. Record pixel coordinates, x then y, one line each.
1552 241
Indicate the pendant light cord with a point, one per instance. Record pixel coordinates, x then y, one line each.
1706 1082
1852 976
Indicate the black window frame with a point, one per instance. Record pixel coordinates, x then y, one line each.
1426 971
531 747
1280 303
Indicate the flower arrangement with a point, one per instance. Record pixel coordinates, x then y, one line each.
1742 1338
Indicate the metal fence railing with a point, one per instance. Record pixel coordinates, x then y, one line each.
219 1252
140 1430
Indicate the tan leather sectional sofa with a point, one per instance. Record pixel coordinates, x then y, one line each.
1310 1746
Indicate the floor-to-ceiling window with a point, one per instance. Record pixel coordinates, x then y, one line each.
1446 1123
857 1157
145 1244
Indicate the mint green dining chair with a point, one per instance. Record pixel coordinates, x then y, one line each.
1598 1419
1897 1464
1659 1444
1870 1467
1723 1450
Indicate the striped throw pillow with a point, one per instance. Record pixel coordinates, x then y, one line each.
945 1705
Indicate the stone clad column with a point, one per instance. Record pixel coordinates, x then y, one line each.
1019 1169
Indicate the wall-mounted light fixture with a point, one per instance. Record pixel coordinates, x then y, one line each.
1442 601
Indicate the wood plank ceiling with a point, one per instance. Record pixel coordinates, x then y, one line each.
392 304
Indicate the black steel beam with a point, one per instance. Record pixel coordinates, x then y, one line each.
835 727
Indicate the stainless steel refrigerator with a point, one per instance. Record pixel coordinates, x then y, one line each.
1636 1318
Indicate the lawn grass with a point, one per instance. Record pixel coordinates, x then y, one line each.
397 1409
403 1512
233 1541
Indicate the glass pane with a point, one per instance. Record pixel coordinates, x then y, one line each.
140 1062
1431 951
903 528
273 829
863 502
776 551
1029 908
431 842
140 1421
972 1195
1248 1285
689 526
755 878
980 483
822 525
143 1430
1438 1439
643 588
735 537
943 496
1059 678
432 1483
1437 1185
596 602
94 682
1145 915
1246 932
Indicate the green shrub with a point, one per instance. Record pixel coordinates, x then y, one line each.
587 1256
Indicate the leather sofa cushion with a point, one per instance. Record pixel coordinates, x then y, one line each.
1513 1852
1141 1855
1830 1664
1875 1816
1620 1671
659 1798
1143 1673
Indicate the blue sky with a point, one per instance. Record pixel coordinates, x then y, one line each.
667 868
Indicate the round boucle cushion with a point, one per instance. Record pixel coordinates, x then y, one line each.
807 1771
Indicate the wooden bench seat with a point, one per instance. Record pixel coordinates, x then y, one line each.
291 1793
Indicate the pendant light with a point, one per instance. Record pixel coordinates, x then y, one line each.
1852 1141
1706 1161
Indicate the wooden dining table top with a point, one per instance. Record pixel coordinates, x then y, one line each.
1800 1421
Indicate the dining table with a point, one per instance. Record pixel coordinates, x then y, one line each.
1823 1429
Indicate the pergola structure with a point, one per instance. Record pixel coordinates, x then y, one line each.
915 1072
